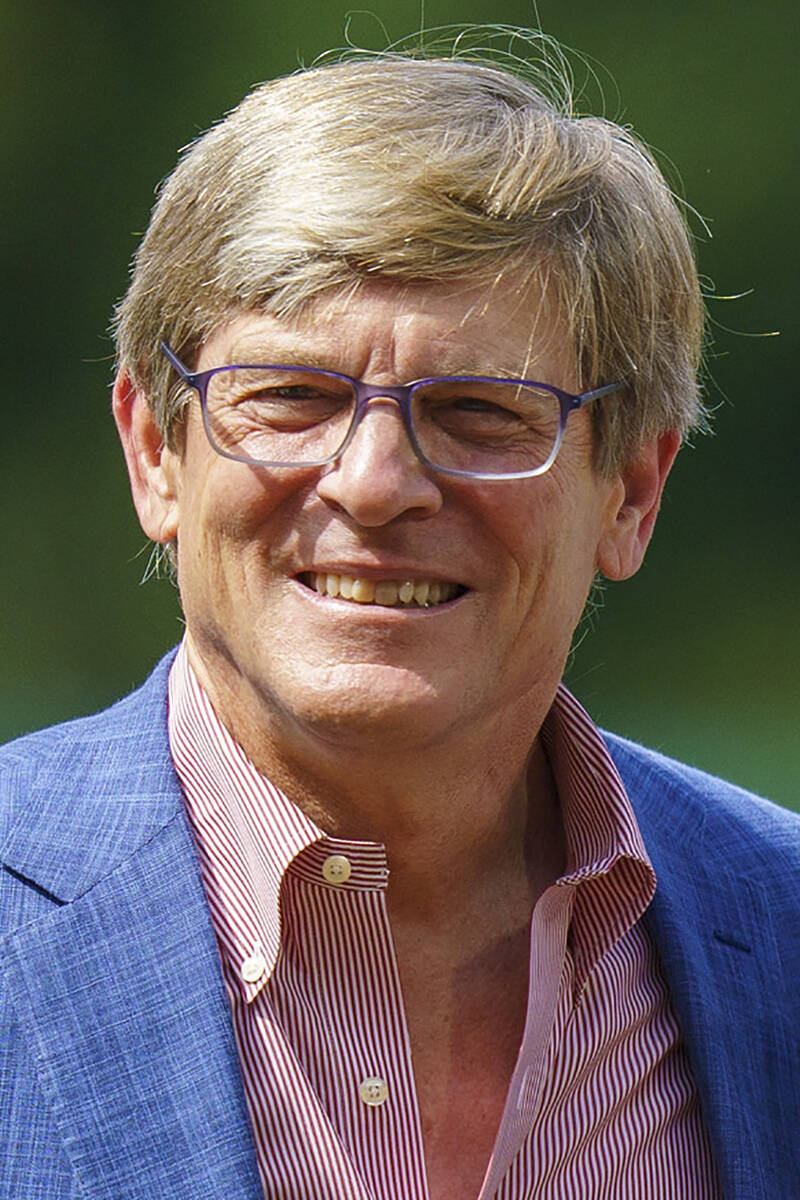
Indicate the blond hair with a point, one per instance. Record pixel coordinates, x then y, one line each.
424 169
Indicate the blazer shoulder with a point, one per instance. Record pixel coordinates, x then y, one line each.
84 731
80 793
81 735
681 799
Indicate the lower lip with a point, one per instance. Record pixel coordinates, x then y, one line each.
384 611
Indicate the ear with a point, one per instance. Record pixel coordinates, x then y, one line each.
153 469
636 500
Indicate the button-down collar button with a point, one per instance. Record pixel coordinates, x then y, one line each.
336 868
373 1091
253 967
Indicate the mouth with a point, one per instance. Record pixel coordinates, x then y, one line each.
385 593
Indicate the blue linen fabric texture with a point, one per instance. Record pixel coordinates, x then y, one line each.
119 1078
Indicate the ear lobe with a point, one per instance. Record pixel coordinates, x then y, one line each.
637 498
153 469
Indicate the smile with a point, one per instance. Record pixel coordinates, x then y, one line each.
388 593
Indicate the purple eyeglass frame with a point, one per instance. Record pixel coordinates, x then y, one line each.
401 395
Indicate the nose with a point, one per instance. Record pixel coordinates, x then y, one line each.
378 477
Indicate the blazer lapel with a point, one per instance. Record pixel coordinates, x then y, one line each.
712 926
719 966
118 978
123 992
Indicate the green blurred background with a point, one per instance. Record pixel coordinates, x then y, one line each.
698 655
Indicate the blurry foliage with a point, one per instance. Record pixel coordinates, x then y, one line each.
698 655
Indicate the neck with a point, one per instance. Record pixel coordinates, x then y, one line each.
463 814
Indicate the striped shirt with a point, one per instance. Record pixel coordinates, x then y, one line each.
601 1102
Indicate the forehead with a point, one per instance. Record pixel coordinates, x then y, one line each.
508 326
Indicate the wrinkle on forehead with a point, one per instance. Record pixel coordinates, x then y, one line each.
379 328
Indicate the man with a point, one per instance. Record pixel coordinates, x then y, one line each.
351 899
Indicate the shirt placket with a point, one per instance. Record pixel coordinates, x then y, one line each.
548 946
349 1029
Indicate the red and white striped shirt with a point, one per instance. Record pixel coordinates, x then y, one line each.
601 1102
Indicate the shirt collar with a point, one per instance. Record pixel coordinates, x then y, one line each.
246 830
607 863
249 833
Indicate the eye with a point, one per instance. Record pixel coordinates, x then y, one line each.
478 406
281 398
288 391
492 405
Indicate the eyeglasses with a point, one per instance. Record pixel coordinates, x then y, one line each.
472 426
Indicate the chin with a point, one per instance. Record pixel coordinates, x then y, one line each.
357 704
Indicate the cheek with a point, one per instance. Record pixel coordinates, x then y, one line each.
240 529
216 523
230 504
549 538
529 522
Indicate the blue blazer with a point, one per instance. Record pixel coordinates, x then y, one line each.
119 1078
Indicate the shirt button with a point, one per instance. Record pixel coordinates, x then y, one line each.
336 869
253 968
373 1091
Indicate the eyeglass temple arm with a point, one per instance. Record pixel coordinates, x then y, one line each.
596 393
174 361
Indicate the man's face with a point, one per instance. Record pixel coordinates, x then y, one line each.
277 655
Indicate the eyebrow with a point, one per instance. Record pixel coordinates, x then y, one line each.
259 354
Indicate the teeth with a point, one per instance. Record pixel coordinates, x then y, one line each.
386 592
421 590
363 591
389 593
